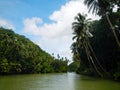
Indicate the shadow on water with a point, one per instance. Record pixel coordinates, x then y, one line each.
90 83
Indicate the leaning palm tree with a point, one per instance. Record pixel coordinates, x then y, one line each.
81 36
104 7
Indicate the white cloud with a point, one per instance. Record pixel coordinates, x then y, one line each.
31 26
56 36
6 24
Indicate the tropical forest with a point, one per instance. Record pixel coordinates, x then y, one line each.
20 55
96 44
90 62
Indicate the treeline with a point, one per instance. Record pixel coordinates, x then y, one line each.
72 67
20 55
97 43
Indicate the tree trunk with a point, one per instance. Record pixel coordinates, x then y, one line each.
113 30
91 59
90 47
86 50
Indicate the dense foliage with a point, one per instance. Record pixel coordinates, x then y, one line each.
106 51
97 43
73 67
19 55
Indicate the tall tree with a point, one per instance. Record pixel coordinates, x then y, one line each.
104 7
81 31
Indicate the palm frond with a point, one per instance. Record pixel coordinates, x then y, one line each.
74 37
92 5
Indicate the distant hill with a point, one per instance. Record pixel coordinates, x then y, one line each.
20 55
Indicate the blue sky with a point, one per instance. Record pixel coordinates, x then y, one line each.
16 10
45 22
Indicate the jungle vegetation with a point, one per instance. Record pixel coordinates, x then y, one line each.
19 55
97 43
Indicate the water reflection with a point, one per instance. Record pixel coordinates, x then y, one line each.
61 81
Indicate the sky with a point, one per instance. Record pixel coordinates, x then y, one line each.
48 23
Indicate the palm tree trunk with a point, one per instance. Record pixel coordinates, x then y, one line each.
86 50
91 59
90 47
113 30
96 67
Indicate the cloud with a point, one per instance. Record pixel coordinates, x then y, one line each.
31 26
6 24
55 37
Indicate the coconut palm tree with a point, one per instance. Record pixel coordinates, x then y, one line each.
81 36
104 7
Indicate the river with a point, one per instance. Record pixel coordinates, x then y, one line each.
59 81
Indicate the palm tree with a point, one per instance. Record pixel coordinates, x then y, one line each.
104 7
81 36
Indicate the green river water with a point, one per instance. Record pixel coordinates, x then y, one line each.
61 81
